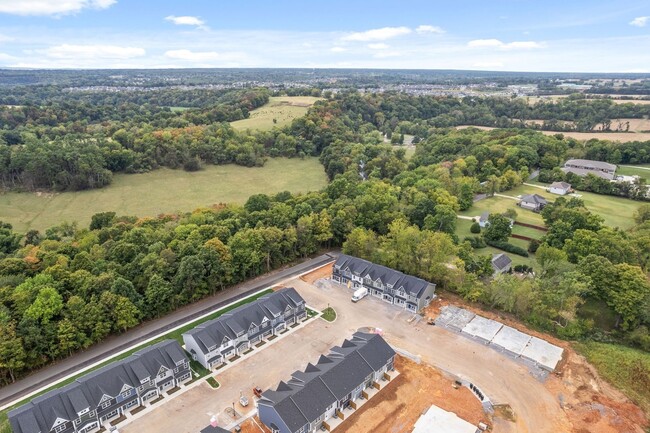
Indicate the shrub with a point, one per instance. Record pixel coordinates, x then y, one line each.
523 269
475 228
533 245
476 242
505 246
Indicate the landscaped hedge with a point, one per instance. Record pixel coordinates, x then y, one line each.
476 241
505 246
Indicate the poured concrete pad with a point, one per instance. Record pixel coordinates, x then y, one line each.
482 328
511 340
454 317
543 353
436 420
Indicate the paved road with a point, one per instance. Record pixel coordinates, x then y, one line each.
44 377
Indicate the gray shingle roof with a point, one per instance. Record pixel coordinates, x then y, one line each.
210 429
362 268
590 164
534 198
584 172
213 332
87 391
501 261
309 393
561 185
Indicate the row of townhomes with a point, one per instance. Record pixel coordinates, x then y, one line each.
392 286
216 341
337 382
104 394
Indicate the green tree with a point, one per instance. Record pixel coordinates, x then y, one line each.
498 228
48 304
159 296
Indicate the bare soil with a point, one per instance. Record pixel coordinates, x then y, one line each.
253 425
324 271
396 408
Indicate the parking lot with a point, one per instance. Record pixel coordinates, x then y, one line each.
500 377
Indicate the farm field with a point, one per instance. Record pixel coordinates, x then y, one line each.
281 108
617 211
612 136
162 191
462 231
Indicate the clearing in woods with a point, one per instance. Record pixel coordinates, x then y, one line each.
623 137
161 191
281 108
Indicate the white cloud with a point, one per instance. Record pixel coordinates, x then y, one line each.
186 20
5 38
488 65
51 7
378 34
379 46
68 51
424 29
386 54
496 43
639 21
195 56
338 49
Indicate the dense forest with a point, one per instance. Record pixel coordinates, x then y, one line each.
70 287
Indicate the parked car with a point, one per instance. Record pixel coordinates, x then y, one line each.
359 294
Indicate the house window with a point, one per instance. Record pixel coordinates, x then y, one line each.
126 393
60 427
106 404
92 413
162 375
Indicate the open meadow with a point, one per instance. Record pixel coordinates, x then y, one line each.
162 191
623 137
635 170
282 109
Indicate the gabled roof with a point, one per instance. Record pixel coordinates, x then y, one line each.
560 185
501 261
41 413
213 332
309 393
590 164
534 198
412 285
586 172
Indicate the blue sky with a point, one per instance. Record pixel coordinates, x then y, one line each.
549 35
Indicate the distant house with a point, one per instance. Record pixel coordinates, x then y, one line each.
394 287
336 382
91 401
583 167
483 219
214 342
560 188
501 263
534 202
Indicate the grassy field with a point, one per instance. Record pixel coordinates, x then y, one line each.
281 108
177 335
162 191
634 170
501 204
617 211
625 368
462 231
611 136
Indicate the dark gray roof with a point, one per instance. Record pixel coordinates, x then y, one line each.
584 172
534 198
412 285
213 332
590 164
484 216
308 393
210 429
41 413
500 261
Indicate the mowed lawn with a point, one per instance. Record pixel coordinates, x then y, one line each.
617 211
634 170
502 204
162 191
281 108
462 231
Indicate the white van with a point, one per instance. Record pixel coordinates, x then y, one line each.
359 294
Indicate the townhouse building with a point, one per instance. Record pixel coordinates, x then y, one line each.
389 285
86 404
216 341
307 401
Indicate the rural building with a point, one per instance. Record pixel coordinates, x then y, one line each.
104 394
483 219
560 188
214 342
582 167
534 202
394 287
339 382
501 263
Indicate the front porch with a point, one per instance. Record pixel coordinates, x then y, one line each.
366 395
